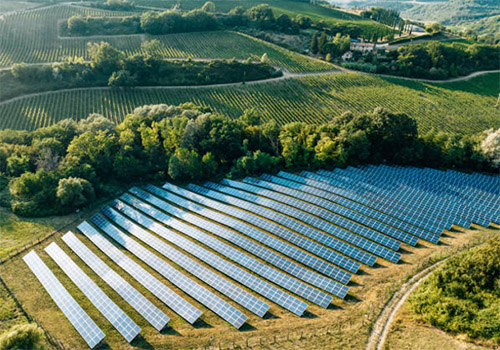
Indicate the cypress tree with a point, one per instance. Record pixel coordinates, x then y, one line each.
322 42
314 43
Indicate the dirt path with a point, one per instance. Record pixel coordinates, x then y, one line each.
452 80
286 75
382 326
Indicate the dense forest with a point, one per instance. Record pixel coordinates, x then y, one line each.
464 296
65 166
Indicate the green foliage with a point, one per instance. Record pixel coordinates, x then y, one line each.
74 192
22 337
464 295
187 142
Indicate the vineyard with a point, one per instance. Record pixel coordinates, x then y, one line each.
465 107
32 37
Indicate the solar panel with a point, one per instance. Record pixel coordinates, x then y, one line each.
82 322
245 260
297 191
119 319
348 192
142 305
225 287
312 221
267 255
341 197
287 301
151 283
196 291
267 226
300 202
296 226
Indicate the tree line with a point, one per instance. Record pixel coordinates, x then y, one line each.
56 169
112 67
432 60
207 19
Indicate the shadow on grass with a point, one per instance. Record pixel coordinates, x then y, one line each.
199 324
351 298
170 331
309 314
270 316
141 343
247 327
334 307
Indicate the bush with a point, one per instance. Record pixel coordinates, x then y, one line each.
22 337
464 296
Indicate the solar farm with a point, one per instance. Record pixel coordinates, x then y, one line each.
237 251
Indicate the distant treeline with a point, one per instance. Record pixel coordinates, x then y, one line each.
56 169
111 67
433 60
207 19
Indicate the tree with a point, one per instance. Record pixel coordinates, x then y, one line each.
17 165
284 23
24 336
184 164
104 58
77 25
491 147
121 78
304 22
322 42
314 43
208 7
74 192
95 122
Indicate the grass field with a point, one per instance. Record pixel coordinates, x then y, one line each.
9 5
345 325
465 107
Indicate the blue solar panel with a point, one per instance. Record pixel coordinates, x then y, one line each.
85 326
299 201
341 197
349 192
313 221
289 250
252 264
196 291
119 319
275 259
151 283
315 197
295 225
142 305
220 284
282 230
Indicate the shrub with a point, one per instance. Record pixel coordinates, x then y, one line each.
22 337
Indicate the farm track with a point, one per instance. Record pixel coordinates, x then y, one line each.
286 75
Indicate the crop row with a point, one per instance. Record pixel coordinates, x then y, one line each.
32 37
466 107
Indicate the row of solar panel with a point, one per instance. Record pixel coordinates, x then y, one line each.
432 197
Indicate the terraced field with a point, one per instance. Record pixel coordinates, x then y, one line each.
465 107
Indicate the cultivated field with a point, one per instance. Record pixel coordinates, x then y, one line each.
33 37
464 107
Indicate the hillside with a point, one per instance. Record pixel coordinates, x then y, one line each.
464 107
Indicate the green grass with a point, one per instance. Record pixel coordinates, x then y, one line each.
15 232
464 107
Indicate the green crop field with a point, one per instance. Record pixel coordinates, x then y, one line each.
32 37
465 107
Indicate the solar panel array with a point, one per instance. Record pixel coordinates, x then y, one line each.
121 321
82 322
138 301
290 238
